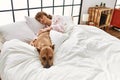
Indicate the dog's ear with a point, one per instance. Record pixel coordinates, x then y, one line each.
38 49
52 46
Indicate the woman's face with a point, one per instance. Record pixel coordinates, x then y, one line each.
43 20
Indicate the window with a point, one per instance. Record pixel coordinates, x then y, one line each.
14 11
117 4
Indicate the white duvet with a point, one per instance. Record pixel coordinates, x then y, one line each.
88 54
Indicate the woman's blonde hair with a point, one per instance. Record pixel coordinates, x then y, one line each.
41 14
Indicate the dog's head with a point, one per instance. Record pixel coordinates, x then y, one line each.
46 55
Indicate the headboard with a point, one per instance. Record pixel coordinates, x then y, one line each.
15 10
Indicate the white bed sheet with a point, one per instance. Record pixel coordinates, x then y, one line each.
88 54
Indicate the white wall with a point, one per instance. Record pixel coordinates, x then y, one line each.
92 3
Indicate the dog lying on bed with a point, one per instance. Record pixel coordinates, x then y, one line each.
45 48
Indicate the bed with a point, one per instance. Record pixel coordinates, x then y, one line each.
82 53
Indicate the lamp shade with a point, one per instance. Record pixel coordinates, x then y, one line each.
85 17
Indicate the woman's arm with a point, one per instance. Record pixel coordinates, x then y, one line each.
58 23
58 27
45 29
48 28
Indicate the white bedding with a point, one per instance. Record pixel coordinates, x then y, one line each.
88 54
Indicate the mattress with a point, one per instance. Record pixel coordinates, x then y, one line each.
87 54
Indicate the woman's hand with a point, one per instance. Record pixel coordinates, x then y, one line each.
45 29
48 28
41 31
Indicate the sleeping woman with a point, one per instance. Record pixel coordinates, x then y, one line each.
50 22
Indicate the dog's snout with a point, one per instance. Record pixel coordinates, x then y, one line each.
47 66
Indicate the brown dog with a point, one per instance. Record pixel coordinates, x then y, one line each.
45 49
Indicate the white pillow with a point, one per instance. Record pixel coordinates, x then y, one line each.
1 41
34 25
69 24
1 46
57 38
17 30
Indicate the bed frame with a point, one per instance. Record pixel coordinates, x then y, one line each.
41 7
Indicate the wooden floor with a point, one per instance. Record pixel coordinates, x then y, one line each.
114 32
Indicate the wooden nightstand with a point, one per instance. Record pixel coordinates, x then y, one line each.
100 16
